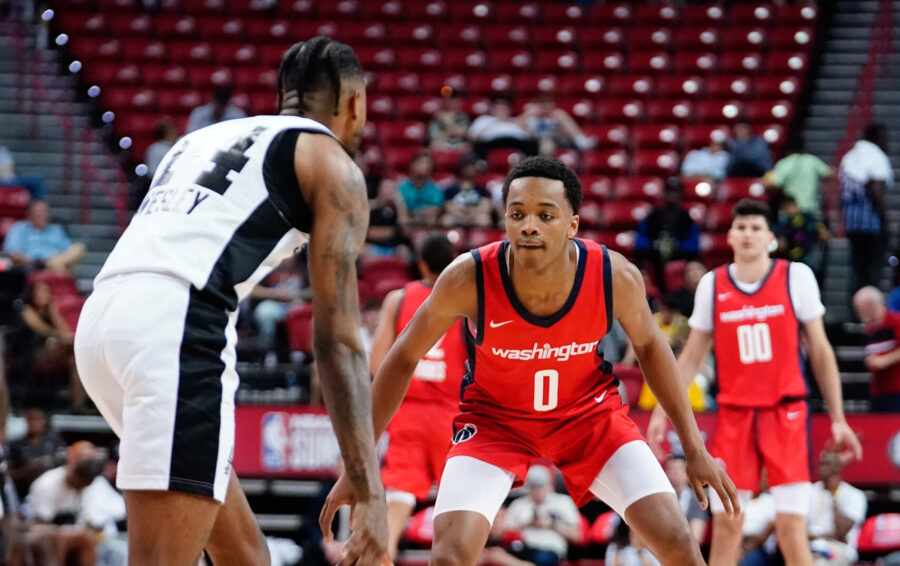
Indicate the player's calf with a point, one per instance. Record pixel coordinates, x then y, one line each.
459 538
660 522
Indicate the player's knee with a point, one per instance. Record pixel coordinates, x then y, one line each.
452 553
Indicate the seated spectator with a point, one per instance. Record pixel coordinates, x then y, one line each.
710 162
799 176
41 449
684 295
548 521
8 177
388 221
667 233
467 203
801 236
275 295
698 518
76 510
166 135
616 347
554 127
500 129
421 196
51 339
836 512
500 545
36 243
749 154
220 109
447 129
882 348
627 549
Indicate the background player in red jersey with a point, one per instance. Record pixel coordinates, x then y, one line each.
536 383
420 431
753 310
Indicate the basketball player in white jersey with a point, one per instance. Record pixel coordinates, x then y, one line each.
156 342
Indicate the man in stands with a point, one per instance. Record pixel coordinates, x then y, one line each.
536 306
35 242
754 310
420 431
882 348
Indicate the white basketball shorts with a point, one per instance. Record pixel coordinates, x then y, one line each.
159 363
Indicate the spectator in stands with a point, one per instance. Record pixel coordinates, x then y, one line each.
388 222
801 235
41 449
166 135
684 295
836 512
220 109
447 129
758 546
627 549
51 338
76 508
36 243
275 295
698 518
554 127
501 541
865 175
466 203
667 233
749 154
799 176
709 162
548 521
882 348
8 177
500 129
421 196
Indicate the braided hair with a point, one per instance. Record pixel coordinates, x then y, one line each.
317 64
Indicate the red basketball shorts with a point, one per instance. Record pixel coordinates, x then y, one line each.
775 437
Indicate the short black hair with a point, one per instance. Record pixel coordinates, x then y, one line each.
547 168
436 251
875 132
317 64
751 207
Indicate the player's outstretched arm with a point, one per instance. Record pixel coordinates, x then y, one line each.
824 365
335 189
661 373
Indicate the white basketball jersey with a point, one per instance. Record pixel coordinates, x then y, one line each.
221 211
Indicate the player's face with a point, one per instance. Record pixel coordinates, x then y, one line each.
353 107
749 236
539 220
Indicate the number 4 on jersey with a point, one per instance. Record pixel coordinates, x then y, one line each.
225 161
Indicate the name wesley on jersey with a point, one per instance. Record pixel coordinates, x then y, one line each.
547 352
170 199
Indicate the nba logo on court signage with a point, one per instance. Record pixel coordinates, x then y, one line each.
465 433
274 441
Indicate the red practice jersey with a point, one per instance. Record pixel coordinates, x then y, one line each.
436 379
756 337
531 367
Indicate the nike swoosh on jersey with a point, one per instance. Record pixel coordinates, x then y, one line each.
499 324
723 296
600 398
793 415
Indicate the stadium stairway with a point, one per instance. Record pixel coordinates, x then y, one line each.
49 133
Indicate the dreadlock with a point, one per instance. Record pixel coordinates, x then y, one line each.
316 64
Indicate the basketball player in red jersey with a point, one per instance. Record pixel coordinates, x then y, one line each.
536 383
420 431
753 311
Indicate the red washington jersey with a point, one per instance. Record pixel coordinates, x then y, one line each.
526 366
437 377
756 337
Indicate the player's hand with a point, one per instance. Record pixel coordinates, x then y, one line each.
368 543
341 494
703 470
875 363
656 431
846 444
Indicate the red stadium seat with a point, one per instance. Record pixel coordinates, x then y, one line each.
769 111
650 62
270 55
173 26
637 86
624 215
787 63
127 99
313 27
81 25
432 83
671 111
733 189
771 87
591 215
609 162
424 60
434 11
718 110
700 190
61 284
112 6
565 13
880 534
376 58
519 12
476 105
301 9
183 52
250 79
583 85
179 101
396 159
655 162
696 210
363 33
227 29
502 160
263 102
131 25
650 38
612 13
421 34
464 11
562 62
511 60
602 38
398 82
603 62
597 187
553 37
753 13
373 268
663 13
13 201
701 38
625 111
96 49
457 35
699 135
718 217
341 10
581 109
638 188
741 63
714 249
729 86
696 63
403 133
117 74
570 157
745 39
703 15
529 85
794 39
489 84
774 134
656 136
268 31
205 7
420 108
800 13
206 78
136 125
234 54
298 324
680 86
144 51
608 135
604 526
507 37
465 60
